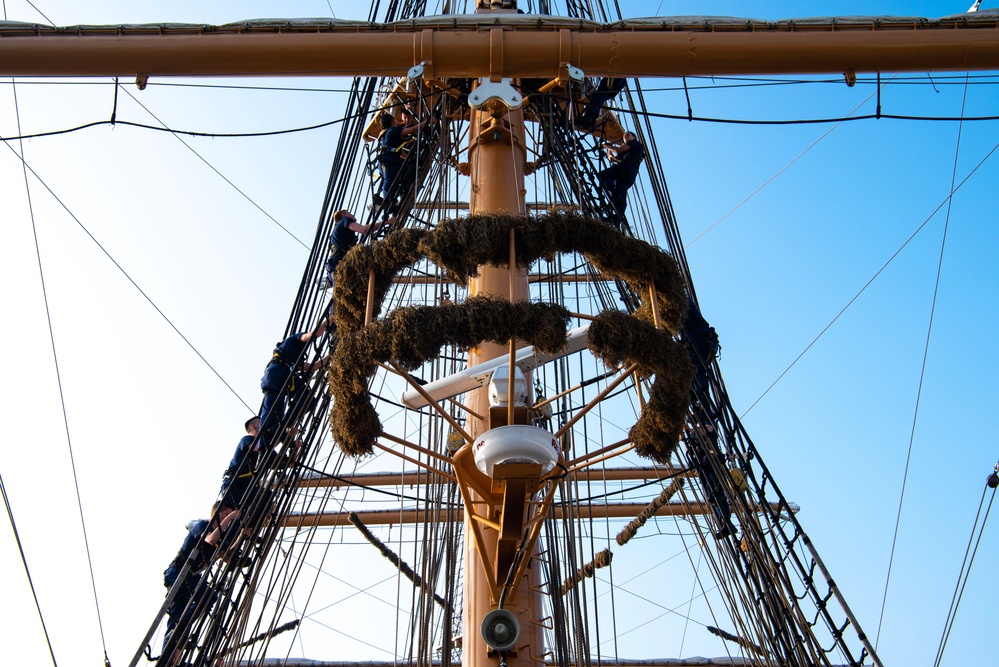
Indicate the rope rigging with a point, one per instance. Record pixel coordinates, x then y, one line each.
922 371
212 626
754 548
27 571
768 594
62 403
969 559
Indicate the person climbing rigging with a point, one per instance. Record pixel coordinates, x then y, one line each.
344 237
607 90
239 474
701 342
278 381
408 118
390 161
247 462
702 449
618 178
196 552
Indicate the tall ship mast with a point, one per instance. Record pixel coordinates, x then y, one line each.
513 401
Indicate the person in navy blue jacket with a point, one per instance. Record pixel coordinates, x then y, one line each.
279 380
391 140
618 178
197 552
243 465
344 237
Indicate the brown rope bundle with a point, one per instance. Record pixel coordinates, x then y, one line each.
620 339
387 257
412 336
393 558
602 559
462 245
650 510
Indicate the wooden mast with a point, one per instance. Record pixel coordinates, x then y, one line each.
497 157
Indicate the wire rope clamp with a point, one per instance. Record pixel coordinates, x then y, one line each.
492 95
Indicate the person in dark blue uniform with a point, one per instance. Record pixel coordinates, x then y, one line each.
618 178
390 160
344 237
701 342
196 552
238 482
239 474
702 449
607 90
278 381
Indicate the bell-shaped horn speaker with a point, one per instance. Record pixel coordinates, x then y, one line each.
500 629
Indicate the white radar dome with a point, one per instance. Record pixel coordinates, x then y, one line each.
515 444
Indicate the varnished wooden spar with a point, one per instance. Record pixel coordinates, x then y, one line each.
397 517
506 46
413 478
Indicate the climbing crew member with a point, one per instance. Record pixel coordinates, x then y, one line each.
344 237
620 176
279 375
242 467
408 119
701 342
239 483
702 449
196 552
390 162
607 90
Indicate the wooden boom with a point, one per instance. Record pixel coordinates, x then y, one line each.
506 46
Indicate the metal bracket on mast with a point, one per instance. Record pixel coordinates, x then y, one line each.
489 93
566 73
416 71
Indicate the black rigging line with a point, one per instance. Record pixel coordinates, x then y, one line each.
24 561
24 81
40 12
739 83
273 89
134 284
656 481
814 121
191 133
351 482
3 488
649 114
988 80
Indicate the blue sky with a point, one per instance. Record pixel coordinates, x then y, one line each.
790 222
